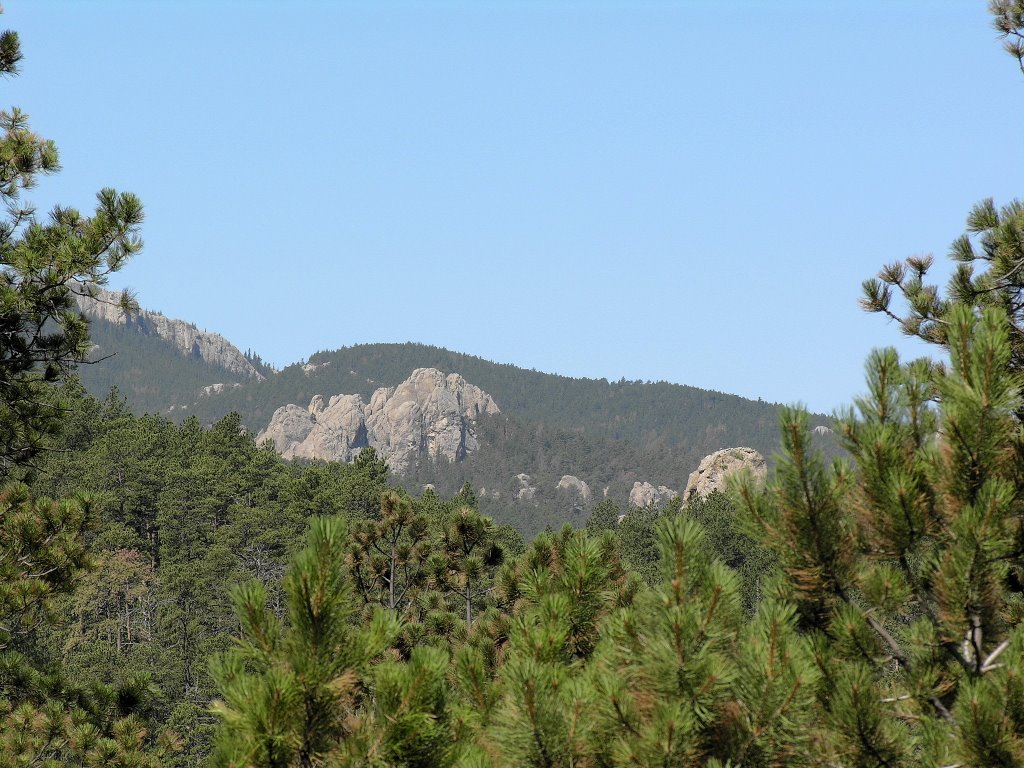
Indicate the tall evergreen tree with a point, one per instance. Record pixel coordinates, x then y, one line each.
44 262
684 678
467 557
291 692
904 568
45 719
387 556
988 255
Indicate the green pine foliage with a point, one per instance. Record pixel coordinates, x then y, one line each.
51 714
290 692
904 566
172 594
44 262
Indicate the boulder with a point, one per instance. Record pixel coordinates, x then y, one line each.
526 490
579 489
644 494
714 469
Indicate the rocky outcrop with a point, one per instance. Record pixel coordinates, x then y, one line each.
429 414
573 492
310 368
573 485
187 338
644 494
217 389
526 490
713 470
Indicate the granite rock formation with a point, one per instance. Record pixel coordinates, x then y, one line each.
186 337
572 484
428 415
526 490
713 470
644 494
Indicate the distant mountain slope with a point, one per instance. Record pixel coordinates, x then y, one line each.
149 371
157 362
626 410
553 432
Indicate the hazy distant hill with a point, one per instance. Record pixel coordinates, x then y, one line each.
620 410
608 434
157 361
150 371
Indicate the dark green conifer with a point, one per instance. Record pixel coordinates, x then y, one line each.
291 693
387 555
902 567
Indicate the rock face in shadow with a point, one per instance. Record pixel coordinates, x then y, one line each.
186 337
714 469
428 415
525 490
575 487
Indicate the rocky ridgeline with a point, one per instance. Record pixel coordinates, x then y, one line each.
189 340
429 414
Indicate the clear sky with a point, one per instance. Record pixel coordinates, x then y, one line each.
687 191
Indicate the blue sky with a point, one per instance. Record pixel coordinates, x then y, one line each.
688 191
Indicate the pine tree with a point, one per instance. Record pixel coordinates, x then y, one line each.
988 274
544 719
467 557
45 719
541 711
409 722
683 677
1009 21
44 262
290 693
904 568
387 556
604 517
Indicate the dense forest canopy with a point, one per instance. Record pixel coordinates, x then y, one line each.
610 435
173 594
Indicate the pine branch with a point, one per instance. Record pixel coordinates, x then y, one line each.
989 664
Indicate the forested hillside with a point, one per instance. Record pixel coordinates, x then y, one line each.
181 513
175 595
149 371
609 434
624 410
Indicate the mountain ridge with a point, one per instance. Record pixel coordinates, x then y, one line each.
612 436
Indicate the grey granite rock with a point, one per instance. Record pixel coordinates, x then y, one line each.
428 415
715 468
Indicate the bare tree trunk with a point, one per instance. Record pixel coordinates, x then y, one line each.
391 581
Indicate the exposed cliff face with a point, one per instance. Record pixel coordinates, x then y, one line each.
189 340
428 414
713 470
